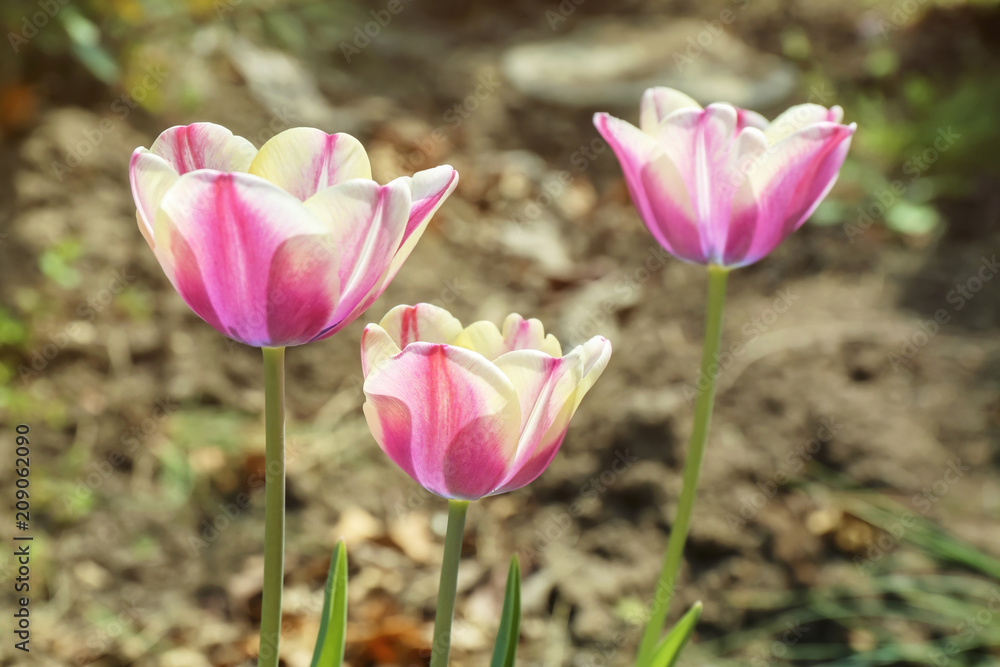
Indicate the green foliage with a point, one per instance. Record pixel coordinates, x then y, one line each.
505 649
669 650
331 639
57 263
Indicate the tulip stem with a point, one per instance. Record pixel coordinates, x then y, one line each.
692 466
274 505
447 589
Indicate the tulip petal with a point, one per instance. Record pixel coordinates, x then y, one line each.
746 118
482 337
672 222
747 157
377 347
203 146
423 322
305 161
546 388
698 143
550 391
787 187
799 117
522 334
302 289
656 187
247 257
366 221
658 103
447 417
595 354
429 189
150 177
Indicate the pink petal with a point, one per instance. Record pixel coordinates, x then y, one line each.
377 348
546 388
522 334
203 146
302 290
799 117
698 143
787 187
658 103
747 118
305 161
423 322
482 337
674 223
150 177
367 221
429 189
550 391
247 257
656 186
748 155
446 416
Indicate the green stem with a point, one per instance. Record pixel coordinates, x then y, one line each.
692 466
274 505
449 583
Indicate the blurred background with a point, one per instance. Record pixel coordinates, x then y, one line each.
849 501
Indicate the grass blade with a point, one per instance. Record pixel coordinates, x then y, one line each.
333 625
670 648
505 649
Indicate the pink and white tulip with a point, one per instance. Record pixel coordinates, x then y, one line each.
283 245
475 411
722 185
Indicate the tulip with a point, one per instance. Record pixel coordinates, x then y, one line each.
472 412
721 185
273 248
280 246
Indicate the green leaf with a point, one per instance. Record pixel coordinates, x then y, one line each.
85 41
505 649
670 648
333 625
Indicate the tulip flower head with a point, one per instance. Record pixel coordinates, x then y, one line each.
722 185
475 411
280 246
